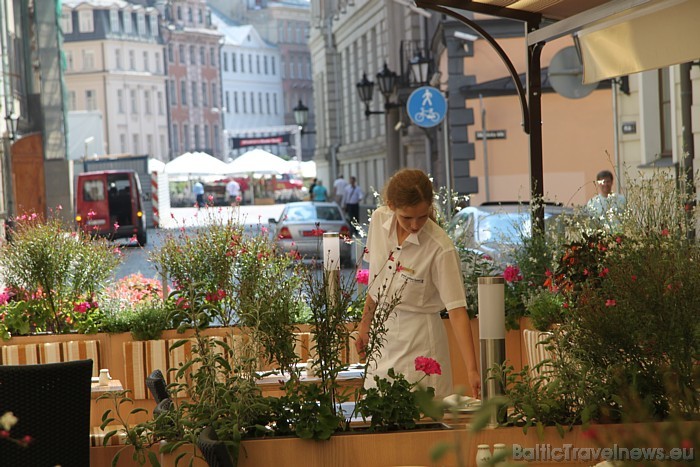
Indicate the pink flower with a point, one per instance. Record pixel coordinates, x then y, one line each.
610 302
362 276
665 232
604 272
82 307
512 274
116 226
428 366
91 213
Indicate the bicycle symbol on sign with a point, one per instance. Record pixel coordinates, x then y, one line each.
427 114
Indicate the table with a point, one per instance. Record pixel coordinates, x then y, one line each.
114 386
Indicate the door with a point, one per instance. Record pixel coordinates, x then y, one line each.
28 188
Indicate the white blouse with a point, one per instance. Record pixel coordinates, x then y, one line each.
427 263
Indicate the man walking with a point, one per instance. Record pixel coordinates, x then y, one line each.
339 189
351 200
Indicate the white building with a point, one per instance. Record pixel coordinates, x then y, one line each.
114 64
253 105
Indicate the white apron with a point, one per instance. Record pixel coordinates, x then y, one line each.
412 335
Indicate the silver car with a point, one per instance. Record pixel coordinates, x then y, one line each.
301 227
494 229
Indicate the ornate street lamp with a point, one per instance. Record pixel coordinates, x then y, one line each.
387 82
420 67
301 114
12 123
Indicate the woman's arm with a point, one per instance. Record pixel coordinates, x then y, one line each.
461 327
365 323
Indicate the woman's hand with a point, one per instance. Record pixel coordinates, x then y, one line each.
361 342
475 383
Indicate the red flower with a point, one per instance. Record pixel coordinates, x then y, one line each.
687 444
4 434
428 366
610 302
665 232
362 276
27 439
512 274
604 272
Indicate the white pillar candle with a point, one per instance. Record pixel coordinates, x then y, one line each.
331 251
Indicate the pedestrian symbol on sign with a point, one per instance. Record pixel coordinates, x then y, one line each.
426 106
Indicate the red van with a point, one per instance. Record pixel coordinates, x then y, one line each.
109 203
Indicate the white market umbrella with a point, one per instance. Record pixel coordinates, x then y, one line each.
258 161
306 169
196 163
154 165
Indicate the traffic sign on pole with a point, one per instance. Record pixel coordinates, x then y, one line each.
426 106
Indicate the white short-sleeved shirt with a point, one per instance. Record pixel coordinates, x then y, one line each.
427 262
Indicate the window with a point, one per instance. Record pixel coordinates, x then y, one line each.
193 57
665 110
93 190
183 92
250 63
153 20
71 100
205 100
299 36
136 143
225 63
260 106
149 144
146 67
265 64
257 64
132 60
122 143
242 63
90 101
181 53
267 102
243 100
217 145
196 137
274 104
158 62
147 102
200 17
176 139
252 102
212 57
195 99
179 13
235 101
190 17
120 101
207 137
127 22
291 68
273 66
141 24
88 60
214 96
161 149
67 22
160 102
134 101
85 21
227 98
118 59
172 94
233 62
186 137
202 60
170 53
290 33
70 65
280 31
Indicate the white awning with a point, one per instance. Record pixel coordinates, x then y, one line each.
660 34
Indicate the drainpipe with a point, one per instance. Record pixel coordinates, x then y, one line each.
688 143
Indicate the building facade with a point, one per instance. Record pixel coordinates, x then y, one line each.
192 48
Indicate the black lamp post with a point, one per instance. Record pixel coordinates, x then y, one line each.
387 82
12 123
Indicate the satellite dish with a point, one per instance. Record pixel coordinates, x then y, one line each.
566 74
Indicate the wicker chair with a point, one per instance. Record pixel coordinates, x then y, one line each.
52 403
157 386
214 451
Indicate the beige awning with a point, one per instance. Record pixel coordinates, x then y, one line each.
664 33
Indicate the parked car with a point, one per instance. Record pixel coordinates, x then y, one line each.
110 203
495 229
302 224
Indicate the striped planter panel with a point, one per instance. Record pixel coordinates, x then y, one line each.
178 357
135 369
156 358
50 352
23 354
537 349
82 350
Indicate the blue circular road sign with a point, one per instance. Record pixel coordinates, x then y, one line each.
426 106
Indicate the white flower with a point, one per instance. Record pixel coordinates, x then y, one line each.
7 421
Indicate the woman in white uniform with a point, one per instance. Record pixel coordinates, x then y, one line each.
408 253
